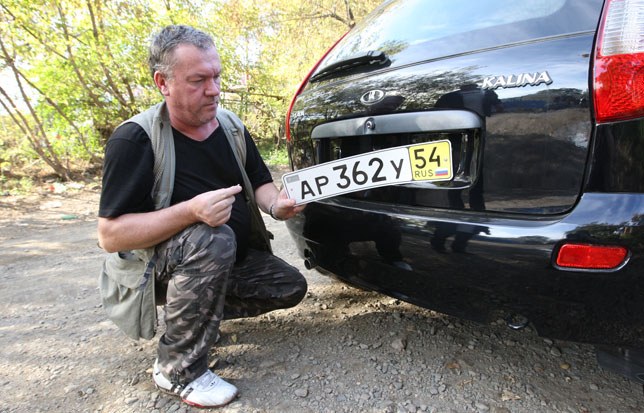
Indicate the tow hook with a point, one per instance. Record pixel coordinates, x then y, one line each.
309 260
517 321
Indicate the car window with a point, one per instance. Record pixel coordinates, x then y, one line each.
446 27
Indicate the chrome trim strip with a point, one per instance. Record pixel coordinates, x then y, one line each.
434 121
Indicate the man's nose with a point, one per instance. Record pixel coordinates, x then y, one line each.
213 87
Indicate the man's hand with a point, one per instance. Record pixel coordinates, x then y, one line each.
284 208
214 207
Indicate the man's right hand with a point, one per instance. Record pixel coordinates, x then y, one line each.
214 208
147 229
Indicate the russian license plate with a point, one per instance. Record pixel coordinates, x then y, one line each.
430 161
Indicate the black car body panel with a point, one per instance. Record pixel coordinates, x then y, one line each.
497 267
536 172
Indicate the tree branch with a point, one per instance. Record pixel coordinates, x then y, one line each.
108 75
36 139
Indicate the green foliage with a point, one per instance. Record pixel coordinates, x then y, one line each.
21 186
273 155
275 43
14 153
14 157
80 69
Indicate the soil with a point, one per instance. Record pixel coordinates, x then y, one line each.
340 350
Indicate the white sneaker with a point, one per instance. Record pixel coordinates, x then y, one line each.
209 390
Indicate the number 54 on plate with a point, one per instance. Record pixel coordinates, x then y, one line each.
429 161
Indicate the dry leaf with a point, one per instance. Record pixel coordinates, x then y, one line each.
508 395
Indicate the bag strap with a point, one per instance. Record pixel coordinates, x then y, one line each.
234 131
156 123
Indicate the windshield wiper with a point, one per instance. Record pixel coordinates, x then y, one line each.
370 58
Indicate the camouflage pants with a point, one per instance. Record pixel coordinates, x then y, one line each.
205 285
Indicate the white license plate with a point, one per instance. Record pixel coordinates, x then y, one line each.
430 161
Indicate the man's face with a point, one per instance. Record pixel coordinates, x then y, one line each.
192 94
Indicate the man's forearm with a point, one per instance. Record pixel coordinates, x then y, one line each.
143 230
275 202
147 229
266 195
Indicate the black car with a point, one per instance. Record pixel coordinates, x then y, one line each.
537 215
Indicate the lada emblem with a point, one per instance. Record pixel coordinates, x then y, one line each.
520 80
372 97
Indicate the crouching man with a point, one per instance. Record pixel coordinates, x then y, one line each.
182 185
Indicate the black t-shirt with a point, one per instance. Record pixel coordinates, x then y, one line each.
200 167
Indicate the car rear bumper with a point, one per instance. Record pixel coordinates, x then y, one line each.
486 267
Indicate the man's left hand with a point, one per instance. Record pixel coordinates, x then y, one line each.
284 208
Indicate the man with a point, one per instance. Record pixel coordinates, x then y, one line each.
197 242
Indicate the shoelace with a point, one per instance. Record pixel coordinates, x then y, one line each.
174 388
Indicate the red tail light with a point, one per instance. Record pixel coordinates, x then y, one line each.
619 62
301 87
591 257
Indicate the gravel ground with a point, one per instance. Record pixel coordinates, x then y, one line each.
341 350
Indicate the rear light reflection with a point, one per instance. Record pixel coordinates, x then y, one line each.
591 257
619 62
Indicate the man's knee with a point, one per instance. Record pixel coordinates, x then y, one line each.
297 289
215 245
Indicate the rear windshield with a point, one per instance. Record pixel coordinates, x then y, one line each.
448 27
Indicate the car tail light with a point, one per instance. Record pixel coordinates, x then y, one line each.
301 87
619 62
591 257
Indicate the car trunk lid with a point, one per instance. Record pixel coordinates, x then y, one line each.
525 79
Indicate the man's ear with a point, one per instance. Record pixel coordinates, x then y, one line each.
162 83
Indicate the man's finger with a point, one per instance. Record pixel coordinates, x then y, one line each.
232 190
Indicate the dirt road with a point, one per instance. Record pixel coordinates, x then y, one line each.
340 350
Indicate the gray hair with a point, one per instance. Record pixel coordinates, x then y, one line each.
164 43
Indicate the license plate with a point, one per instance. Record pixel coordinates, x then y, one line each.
430 161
